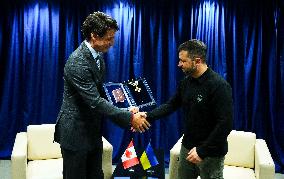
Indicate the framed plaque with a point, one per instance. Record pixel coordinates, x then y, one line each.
130 93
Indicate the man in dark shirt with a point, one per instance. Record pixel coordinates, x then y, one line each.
206 101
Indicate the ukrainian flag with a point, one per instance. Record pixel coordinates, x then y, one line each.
148 158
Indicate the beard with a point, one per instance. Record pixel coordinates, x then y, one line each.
190 71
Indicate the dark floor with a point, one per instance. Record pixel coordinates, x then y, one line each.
6 164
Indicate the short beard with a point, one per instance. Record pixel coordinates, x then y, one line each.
190 71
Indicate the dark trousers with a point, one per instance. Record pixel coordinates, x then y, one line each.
82 164
209 168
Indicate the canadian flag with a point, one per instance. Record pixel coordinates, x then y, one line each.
129 157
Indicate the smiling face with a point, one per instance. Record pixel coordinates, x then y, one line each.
102 44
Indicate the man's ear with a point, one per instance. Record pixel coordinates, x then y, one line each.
198 60
94 35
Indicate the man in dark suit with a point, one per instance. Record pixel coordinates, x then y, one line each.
78 127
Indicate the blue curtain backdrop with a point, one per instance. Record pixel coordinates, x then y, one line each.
245 45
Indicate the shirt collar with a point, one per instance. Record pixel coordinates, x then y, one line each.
203 77
95 54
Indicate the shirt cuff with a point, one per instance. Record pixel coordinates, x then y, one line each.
201 151
131 119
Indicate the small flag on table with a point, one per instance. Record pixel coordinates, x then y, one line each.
129 157
148 158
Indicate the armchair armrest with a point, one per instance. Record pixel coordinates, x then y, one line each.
174 159
264 165
107 158
19 156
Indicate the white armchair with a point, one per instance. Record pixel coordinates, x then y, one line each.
247 158
36 156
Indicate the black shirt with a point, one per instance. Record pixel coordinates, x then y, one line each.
207 108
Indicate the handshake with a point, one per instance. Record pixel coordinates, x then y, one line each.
139 122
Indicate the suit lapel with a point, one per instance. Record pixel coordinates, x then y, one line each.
88 55
102 65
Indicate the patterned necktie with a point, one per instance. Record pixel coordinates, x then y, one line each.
98 61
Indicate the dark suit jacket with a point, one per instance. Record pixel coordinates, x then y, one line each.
78 125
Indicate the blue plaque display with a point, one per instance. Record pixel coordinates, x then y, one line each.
130 93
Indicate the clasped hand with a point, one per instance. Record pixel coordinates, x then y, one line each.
193 156
139 122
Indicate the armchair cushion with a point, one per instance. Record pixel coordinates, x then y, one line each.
45 169
240 149
40 142
233 172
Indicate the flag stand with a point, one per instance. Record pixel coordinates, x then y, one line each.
131 170
150 172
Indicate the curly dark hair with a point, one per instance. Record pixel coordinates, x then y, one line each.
98 23
195 49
